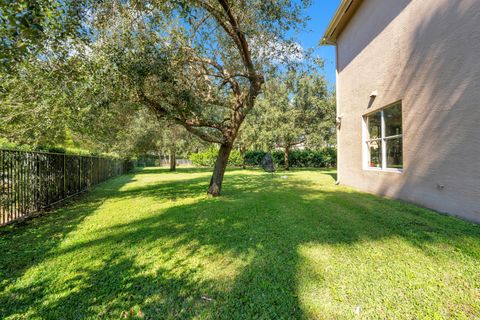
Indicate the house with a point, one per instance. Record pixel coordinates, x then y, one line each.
408 100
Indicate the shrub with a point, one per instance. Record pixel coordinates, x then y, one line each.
207 158
326 157
204 159
5 144
235 159
254 158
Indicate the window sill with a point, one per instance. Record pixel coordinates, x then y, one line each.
389 170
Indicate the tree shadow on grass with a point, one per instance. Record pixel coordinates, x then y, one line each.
119 288
155 267
179 170
29 242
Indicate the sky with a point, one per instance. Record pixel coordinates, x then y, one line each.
320 13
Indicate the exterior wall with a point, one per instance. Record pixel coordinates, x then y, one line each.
427 54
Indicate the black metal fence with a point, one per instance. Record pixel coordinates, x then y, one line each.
33 181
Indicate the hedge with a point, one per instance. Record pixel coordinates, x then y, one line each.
326 157
5 144
207 158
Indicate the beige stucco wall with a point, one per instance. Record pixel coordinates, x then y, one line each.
427 54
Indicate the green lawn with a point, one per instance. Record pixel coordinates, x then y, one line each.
152 245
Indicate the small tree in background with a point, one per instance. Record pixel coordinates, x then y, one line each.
295 109
177 140
147 135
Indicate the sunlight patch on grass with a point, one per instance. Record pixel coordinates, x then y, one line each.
154 245
371 280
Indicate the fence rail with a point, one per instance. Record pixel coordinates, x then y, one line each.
33 181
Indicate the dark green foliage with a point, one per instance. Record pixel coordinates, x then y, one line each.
5 144
324 158
207 158
146 160
31 27
254 158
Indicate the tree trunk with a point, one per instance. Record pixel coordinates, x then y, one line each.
219 170
286 157
173 160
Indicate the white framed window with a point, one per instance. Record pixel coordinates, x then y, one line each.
383 139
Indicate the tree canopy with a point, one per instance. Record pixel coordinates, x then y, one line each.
199 65
29 28
295 109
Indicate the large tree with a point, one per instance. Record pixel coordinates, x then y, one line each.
197 63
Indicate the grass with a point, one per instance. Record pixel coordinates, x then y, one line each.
152 245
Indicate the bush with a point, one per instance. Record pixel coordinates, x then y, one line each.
323 158
254 158
5 144
204 159
326 157
208 158
235 159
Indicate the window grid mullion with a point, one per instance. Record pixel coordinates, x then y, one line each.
384 142
393 137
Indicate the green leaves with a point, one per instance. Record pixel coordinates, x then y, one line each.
295 108
208 157
27 28
190 63
322 158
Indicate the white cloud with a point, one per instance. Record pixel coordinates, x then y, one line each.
277 50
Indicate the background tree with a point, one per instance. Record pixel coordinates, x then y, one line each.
295 109
33 104
325 135
178 141
145 135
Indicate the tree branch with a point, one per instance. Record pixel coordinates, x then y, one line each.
203 135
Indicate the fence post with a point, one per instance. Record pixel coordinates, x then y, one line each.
91 172
64 175
79 174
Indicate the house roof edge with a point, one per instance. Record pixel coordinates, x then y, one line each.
342 16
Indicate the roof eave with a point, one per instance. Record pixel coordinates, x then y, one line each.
341 18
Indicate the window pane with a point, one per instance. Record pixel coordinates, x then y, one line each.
394 153
375 152
374 125
393 120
